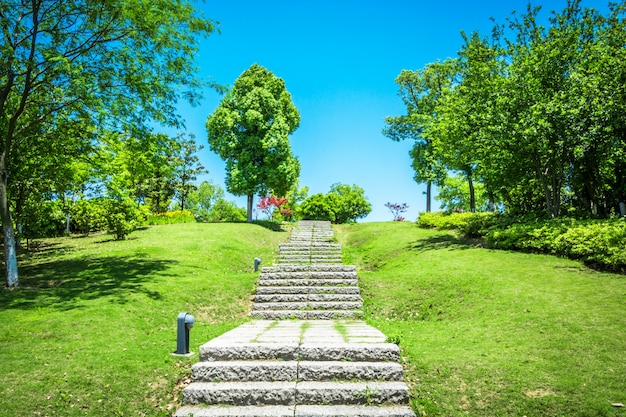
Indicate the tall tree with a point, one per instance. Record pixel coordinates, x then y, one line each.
188 167
250 130
107 64
420 91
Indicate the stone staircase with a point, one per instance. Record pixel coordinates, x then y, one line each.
321 363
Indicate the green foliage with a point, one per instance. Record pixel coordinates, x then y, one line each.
171 217
531 113
350 202
226 211
318 207
123 217
343 204
454 194
250 130
89 215
599 243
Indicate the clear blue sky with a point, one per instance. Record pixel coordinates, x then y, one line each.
339 60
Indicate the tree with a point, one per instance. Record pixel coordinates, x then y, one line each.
351 202
202 200
269 204
250 130
318 207
107 65
188 167
420 91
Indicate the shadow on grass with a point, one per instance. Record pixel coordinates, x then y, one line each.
273 226
64 283
448 241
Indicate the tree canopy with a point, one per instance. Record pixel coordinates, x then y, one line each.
250 130
70 71
532 113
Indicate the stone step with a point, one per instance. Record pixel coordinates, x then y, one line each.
249 351
306 268
355 352
346 393
274 298
341 370
262 370
241 393
305 314
290 393
307 290
308 305
222 371
236 411
297 411
307 282
308 275
311 261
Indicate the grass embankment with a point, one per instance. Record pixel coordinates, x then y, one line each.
493 333
91 328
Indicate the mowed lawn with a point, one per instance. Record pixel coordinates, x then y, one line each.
91 329
493 333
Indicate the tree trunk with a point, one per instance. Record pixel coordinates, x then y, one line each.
428 191
472 193
10 257
250 201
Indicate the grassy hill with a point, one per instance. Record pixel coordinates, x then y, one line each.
493 333
483 333
90 331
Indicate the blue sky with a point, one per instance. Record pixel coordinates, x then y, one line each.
339 60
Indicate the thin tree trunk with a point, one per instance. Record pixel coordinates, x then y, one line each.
472 193
250 201
10 256
428 191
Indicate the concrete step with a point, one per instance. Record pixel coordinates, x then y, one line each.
355 352
297 411
236 411
222 371
305 314
278 297
307 282
346 393
308 275
307 290
218 371
308 305
311 261
291 393
249 351
307 268
348 371
241 393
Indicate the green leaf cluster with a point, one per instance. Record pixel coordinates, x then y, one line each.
533 113
342 204
250 130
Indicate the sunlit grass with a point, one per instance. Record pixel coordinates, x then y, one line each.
91 328
493 333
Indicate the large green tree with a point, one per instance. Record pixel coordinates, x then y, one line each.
250 130
110 64
420 92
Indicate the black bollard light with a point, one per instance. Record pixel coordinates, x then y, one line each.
257 262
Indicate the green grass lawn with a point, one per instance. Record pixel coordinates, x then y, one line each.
492 333
91 329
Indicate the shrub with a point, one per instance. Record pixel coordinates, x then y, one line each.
317 207
89 215
123 217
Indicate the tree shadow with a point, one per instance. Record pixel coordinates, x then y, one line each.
268 224
448 241
64 283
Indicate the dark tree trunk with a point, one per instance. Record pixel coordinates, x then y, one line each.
250 201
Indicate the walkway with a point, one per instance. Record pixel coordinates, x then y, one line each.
320 362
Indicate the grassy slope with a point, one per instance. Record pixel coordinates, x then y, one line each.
493 333
90 331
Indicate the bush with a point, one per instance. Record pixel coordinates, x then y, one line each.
88 215
317 207
123 217
599 243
